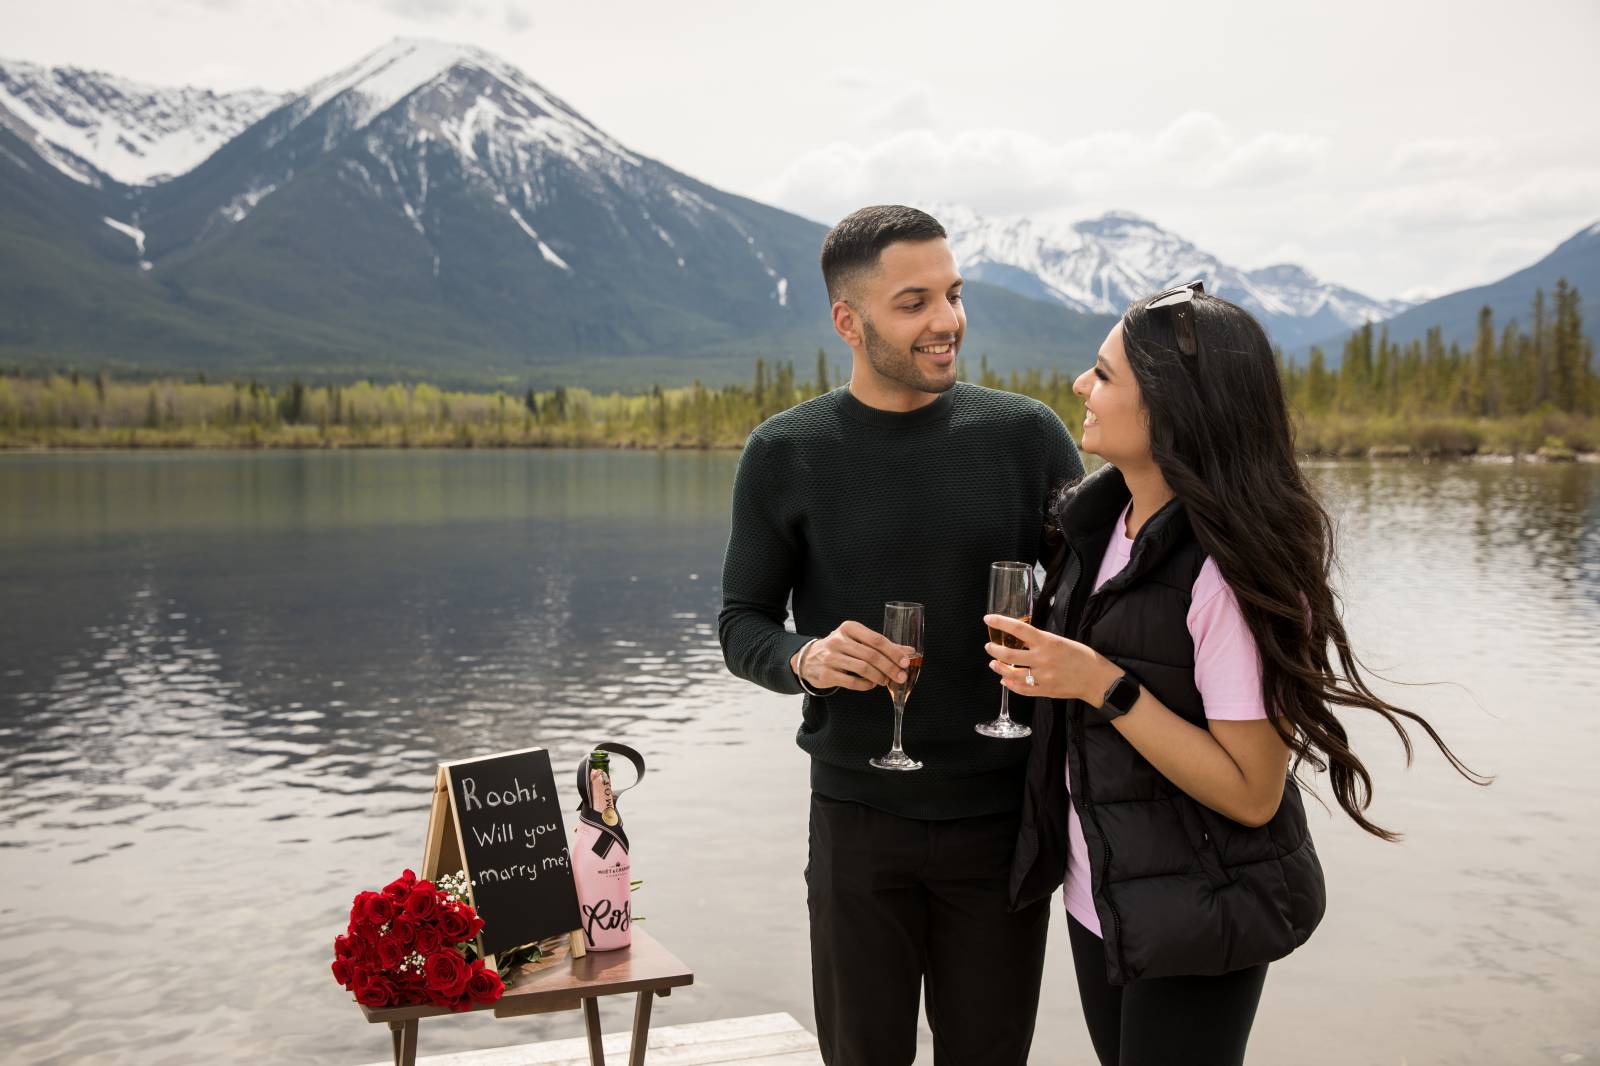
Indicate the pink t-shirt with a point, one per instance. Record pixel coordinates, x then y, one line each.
1227 671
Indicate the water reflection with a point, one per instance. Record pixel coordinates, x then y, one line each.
224 680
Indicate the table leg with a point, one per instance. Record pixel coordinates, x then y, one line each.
641 1029
405 1042
591 1023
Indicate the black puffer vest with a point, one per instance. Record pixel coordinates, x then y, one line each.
1179 888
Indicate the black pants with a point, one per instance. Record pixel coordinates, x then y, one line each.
901 906
1164 1021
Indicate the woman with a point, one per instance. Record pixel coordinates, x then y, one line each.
1188 621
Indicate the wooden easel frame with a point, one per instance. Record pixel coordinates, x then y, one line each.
443 850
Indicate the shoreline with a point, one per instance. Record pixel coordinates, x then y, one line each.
1380 453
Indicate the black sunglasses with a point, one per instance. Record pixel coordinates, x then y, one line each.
1181 301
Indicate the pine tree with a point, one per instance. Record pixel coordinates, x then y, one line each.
1566 349
1541 350
1480 391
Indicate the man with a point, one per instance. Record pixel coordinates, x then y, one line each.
904 485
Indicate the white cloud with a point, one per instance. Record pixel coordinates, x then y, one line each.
1005 171
1269 158
1461 201
911 108
425 10
518 18
1444 155
998 171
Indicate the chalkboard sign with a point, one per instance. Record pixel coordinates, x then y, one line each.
509 838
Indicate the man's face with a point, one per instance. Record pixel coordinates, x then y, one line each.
912 320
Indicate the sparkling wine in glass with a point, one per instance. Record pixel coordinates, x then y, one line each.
902 623
1010 594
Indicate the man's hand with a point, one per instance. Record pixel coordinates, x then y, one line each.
854 657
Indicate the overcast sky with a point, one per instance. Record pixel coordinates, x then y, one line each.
1390 146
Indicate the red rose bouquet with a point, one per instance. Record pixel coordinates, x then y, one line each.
412 944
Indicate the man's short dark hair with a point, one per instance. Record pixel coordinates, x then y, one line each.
852 247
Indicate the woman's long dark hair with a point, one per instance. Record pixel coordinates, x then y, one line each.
1221 435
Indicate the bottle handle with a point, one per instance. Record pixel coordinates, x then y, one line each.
616 793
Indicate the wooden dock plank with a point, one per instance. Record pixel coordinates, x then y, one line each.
760 1040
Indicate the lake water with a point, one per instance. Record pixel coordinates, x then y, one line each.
225 680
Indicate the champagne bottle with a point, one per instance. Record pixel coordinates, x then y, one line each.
600 862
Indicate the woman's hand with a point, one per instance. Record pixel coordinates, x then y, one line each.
1062 669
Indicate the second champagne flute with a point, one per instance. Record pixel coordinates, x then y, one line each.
1010 594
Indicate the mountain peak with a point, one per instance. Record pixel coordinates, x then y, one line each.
1285 274
86 121
392 72
1114 221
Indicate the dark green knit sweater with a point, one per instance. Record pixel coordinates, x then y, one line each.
844 507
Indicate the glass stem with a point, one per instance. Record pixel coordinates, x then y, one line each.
1005 704
899 714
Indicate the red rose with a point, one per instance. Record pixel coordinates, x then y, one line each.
341 972
391 953
342 947
403 932
484 985
429 939
454 925
422 901
447 973
367 932
361 950
357 907
474 923
377 909
375 992
400 887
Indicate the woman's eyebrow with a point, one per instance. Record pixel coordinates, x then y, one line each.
1100 361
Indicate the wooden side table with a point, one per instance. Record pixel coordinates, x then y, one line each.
645 968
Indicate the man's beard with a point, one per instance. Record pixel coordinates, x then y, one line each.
900 365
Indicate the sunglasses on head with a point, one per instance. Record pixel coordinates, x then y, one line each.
1180 301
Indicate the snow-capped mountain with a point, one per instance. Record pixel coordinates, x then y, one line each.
437 141
1098 265
88 124
432 209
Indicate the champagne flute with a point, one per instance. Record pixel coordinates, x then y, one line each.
1010 594
902 623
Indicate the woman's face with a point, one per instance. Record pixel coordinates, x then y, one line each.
1114 425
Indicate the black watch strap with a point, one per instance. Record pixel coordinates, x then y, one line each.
1119 698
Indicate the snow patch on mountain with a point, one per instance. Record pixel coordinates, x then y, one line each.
85 122
137 236
544 249
236 209
128 231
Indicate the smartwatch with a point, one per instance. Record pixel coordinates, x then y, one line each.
1119 698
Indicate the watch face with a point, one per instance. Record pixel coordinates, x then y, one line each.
1123 695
